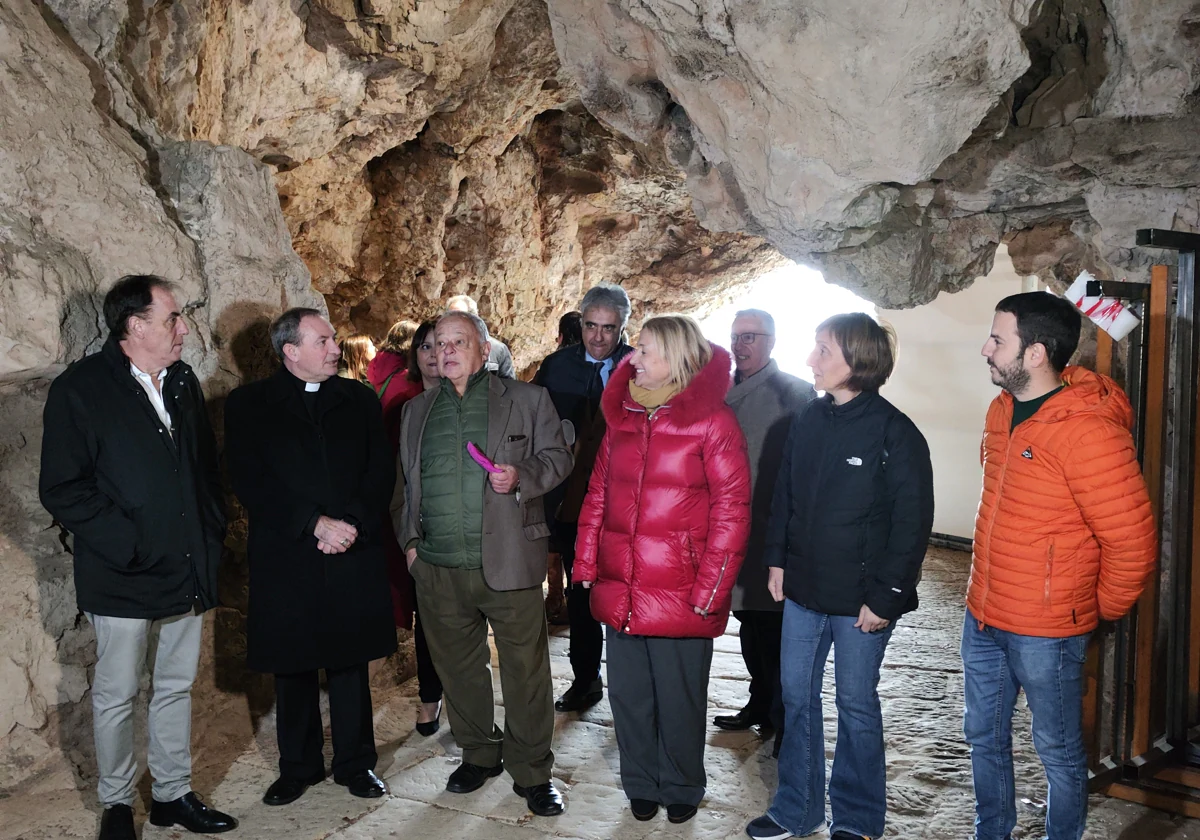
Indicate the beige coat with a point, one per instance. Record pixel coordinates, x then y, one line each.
524 431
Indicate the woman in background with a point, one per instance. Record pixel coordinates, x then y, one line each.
388 374
661 537
421 373
357 352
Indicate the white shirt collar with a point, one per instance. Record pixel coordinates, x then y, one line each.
588 356
162 374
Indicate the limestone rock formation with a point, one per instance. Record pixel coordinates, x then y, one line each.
376 156
896 144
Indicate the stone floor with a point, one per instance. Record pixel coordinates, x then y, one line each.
929 776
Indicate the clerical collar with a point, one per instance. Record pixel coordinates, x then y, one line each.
312 386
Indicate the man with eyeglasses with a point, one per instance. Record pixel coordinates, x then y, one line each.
575 376
765 399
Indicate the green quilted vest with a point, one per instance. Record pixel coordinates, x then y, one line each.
452 484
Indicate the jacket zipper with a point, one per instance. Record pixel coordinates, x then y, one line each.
987 587
717 585
637 508
1049 570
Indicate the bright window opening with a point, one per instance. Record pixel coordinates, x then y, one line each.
799 299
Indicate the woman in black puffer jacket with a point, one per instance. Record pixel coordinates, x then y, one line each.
850 521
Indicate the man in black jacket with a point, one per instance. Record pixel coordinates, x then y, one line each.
129 467
309 461
575 376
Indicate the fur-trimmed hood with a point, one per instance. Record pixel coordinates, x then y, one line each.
703 396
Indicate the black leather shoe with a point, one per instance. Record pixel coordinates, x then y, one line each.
191 813
579 697
469 777
285 789
741 721
643 809
430 727
117 823
364 784
680 813
544 799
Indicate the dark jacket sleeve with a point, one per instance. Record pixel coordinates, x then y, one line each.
68 487
370 505
272 501
908 478
208 464
775 547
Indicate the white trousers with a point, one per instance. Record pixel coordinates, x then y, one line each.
121 648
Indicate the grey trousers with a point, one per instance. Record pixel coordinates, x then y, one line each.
121 648
658 691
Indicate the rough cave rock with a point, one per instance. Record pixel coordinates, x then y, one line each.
373 157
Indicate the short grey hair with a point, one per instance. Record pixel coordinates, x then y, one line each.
761 314
609 296
286 328
463 300
475 321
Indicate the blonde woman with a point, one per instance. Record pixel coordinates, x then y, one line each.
661 537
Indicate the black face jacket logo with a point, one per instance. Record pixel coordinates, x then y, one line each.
1028 453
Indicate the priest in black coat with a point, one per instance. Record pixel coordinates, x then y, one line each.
309 461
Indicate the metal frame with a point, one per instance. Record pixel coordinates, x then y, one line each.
1175 573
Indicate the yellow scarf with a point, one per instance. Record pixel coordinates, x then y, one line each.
651 399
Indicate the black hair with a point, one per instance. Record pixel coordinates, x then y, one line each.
570 328
131 296
1048 320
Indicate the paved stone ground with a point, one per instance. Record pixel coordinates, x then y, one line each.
929 775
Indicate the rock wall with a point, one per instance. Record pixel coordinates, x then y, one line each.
259 154
86 201
376 157
896 144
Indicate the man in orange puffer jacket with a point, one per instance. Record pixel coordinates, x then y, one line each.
1064 537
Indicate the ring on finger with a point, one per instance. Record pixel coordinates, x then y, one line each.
345 542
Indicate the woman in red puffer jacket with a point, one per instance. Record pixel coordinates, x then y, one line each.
661 538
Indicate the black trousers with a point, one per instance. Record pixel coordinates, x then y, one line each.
761 635
587 636
658 690
429 686
298 723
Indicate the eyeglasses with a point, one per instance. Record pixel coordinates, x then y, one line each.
607 329
744 338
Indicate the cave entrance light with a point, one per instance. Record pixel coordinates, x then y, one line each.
799 299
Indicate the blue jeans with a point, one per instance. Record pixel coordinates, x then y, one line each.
996 665
857 783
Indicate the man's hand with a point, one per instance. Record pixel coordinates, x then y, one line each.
334 533
330 549
868 621
775 582
411 557
504 481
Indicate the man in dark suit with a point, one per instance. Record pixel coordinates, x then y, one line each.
476 546
309 461
575 376
129 467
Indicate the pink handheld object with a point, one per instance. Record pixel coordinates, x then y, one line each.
482 460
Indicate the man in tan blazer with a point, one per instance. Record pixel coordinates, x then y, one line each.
476 545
